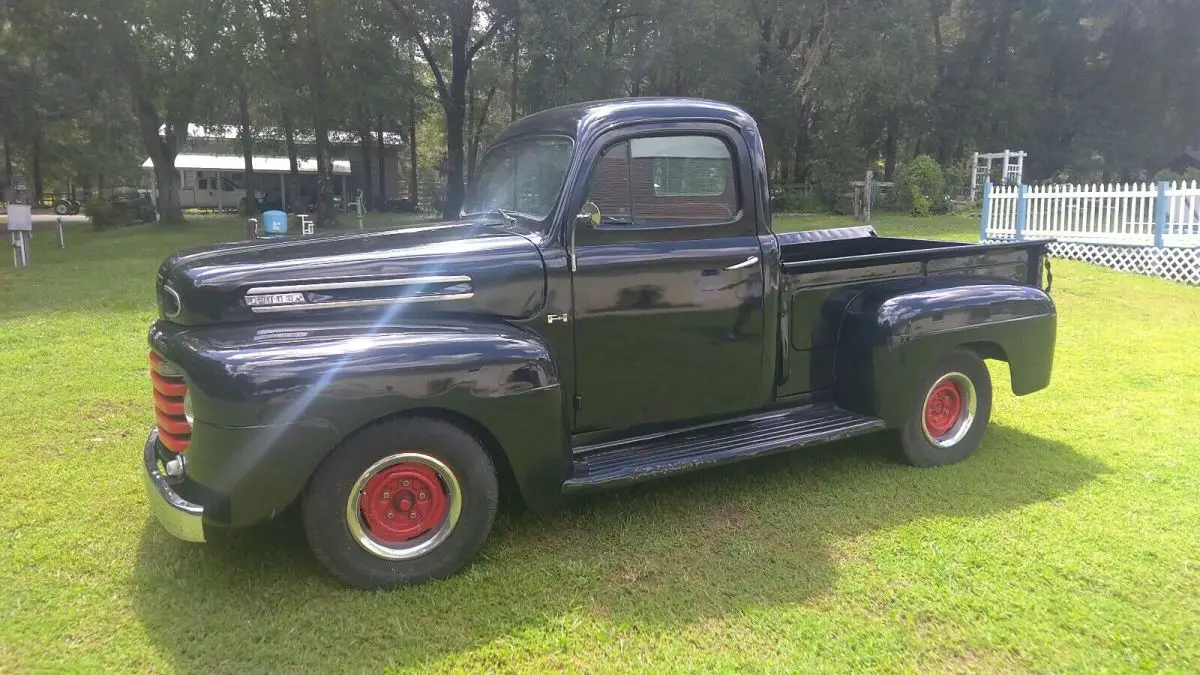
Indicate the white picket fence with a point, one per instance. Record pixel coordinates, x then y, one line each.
1139 214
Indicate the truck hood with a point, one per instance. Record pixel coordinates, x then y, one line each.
463 268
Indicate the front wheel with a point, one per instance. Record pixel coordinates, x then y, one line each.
400 503
950 414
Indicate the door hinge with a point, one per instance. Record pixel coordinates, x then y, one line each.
557 318
578 403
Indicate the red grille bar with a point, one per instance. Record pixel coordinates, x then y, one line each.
174 431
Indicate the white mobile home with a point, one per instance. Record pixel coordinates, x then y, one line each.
217 181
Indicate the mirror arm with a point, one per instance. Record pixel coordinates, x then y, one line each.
571 244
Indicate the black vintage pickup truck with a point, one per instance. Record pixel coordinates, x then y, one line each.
612 307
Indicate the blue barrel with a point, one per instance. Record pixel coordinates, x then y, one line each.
275 223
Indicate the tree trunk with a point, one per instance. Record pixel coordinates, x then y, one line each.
478 126
935 14
516 59
293 183
890 142
170 210
609 76
161 149
381 196
250 201
8 170
314 60
637 61
469 134
413 190
35 167
162 154
456 107
364 145
324 215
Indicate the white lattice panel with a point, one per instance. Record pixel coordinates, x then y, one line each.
1174 264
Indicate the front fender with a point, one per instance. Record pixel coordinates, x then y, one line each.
890 338
292 392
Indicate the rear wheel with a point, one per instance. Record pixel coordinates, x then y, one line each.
949 417
400 503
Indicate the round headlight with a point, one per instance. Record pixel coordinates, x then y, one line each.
187 409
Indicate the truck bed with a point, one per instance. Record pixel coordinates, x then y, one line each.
849 242
823 269
856 247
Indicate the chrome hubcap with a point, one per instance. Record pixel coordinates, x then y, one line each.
403 506
949 410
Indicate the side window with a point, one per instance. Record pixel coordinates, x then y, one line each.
667 181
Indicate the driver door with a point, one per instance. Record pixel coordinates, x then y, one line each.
668 286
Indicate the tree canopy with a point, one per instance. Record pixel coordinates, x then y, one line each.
1090 89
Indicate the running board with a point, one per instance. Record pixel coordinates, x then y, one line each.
628 461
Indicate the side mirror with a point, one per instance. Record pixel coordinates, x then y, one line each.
589 215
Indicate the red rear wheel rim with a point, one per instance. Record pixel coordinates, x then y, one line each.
402 502
943 408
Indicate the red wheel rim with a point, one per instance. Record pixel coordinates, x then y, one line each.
403 502
943 407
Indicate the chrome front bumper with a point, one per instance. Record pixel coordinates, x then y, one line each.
180 518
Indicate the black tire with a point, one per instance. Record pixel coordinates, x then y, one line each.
325 503
62 207
923 446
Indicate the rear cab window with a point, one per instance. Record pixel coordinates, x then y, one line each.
666 181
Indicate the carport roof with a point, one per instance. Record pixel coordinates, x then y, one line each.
236 163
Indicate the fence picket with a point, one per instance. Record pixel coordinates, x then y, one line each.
1092 220
1076 220
1105 211
1139 210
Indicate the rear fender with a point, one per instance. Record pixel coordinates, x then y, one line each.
891 335
292 392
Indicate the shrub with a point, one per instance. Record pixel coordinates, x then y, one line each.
102 214
919 186
1192 174
797 200
942 206
109 213
956 177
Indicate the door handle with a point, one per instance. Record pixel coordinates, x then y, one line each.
744 264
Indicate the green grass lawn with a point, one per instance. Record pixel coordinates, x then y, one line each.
1069 542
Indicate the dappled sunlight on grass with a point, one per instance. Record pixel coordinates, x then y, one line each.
1068 542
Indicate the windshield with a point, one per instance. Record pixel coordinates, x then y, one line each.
522 176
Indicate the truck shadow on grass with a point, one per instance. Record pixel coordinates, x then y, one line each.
706 545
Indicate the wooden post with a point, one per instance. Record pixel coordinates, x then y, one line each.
220 193
868 189
987 210
282 193
1022 211
153 190
974 176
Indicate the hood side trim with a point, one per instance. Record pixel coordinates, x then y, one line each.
309 304
370 283
361 303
